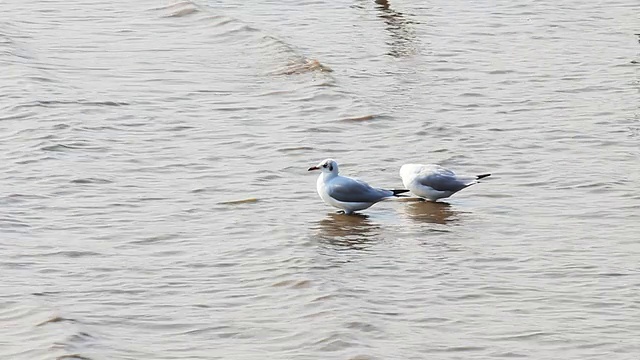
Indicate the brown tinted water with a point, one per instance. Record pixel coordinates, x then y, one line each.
155 201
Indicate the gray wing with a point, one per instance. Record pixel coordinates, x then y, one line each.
442 179
351 190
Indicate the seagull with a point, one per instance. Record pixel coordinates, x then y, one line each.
434 182
347 193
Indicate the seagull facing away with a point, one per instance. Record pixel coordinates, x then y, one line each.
347 193
434 182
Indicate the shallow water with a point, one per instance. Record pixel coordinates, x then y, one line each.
155 201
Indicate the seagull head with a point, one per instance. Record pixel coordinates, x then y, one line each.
327 166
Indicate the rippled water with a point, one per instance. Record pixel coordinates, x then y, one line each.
155 201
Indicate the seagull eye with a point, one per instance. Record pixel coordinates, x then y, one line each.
324 165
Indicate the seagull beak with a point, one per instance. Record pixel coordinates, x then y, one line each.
313 168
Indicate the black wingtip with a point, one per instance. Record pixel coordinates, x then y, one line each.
482 176
399 191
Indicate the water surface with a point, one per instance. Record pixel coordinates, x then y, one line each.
155 201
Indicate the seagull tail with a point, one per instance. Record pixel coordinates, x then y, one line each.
397 192
478 177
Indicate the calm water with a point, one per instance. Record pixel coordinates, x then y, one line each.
130 133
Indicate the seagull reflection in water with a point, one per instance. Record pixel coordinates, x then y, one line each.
353 231
430 212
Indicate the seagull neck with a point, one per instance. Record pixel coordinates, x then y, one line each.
328 176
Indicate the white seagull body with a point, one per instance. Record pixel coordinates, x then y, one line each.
434 182
347 193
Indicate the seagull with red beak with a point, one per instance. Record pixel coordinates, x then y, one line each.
347 193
